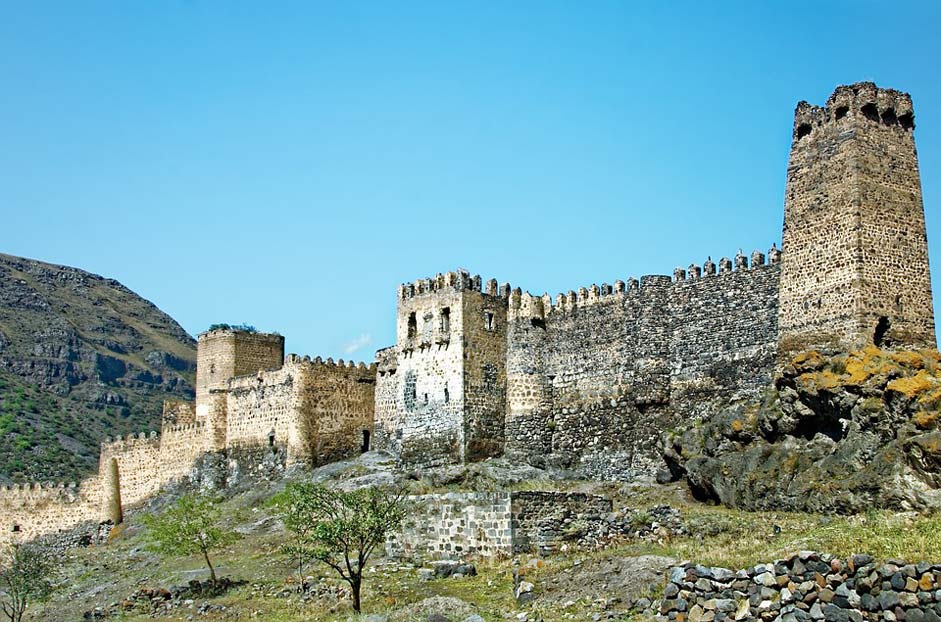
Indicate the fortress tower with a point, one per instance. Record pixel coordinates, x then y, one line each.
855 264
224 353
221 355
441 391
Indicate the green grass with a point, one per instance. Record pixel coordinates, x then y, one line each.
726 537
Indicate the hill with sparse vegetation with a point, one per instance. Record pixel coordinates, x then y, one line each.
81 357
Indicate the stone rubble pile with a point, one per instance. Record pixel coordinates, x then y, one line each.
808 587
160 601
655 524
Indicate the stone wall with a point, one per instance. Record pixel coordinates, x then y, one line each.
856 264
543 521
806 586
178 412
319 411
138 467
388 418
336 408
484 372
261 409
594 378
456 525
33 510
724 332
180 447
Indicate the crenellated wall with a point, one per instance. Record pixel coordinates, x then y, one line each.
318 411
130 470
138 461
485 330
588 380
261 409
724 333
32 510
336 408
596 376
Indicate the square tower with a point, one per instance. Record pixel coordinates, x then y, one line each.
855 263
441 391
224 353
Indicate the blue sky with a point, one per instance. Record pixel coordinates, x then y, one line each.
288 164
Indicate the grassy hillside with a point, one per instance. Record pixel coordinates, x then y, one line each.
569 586
81 357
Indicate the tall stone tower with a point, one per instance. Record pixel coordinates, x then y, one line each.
441 391
855 265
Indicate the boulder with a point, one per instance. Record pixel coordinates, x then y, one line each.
838 434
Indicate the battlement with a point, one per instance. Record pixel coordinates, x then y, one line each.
741 262
297 359
527 305
244 333
860 102
33 490
228 352
119 443
197 427
460 281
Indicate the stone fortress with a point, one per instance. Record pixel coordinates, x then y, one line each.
586 380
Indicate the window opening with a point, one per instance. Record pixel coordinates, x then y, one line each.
446 320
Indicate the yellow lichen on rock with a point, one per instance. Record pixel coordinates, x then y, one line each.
808 360
915 360
912 386
926 419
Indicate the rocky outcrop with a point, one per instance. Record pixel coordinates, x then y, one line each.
81 357
838 434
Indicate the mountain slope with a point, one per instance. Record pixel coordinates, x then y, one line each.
81 357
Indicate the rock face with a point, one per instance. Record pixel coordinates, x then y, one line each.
839 434
81 357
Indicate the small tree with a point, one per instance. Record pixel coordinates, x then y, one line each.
26 576
295 505
190 526
341 529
